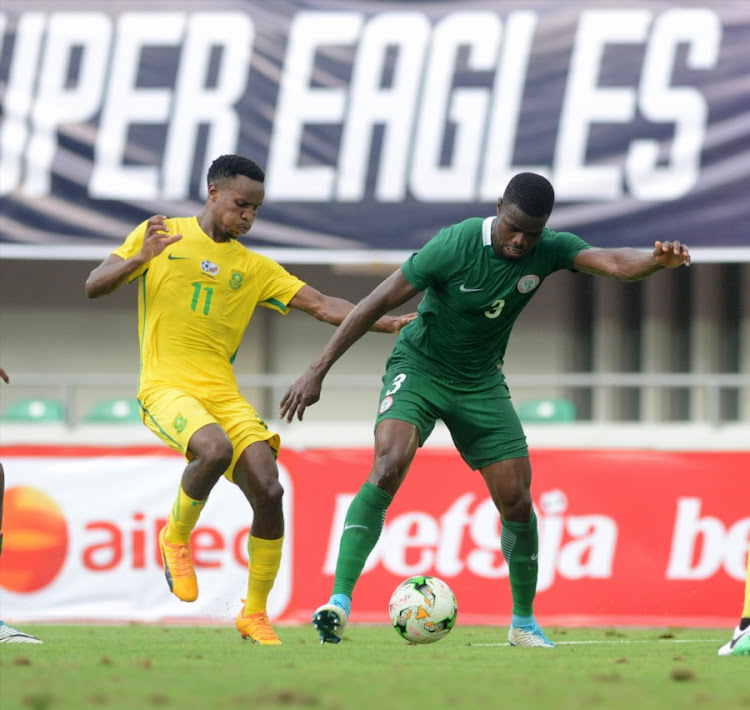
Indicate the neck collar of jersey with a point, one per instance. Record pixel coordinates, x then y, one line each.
487 232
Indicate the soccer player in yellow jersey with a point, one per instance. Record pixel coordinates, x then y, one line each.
198 287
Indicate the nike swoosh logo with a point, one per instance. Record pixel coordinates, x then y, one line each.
534 556
463 289
174 258
737 638
349 526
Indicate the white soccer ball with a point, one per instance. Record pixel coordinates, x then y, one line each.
423 609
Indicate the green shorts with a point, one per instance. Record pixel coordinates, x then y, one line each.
483 423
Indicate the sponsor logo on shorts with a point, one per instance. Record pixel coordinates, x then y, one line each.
528 283
209 267
386 404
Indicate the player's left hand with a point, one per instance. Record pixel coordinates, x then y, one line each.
398 322
670 255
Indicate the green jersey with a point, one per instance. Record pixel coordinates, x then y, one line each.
473 297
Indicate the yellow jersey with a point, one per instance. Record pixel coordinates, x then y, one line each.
195 301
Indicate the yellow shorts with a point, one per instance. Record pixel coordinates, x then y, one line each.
175 415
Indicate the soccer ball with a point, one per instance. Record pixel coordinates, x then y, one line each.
423 609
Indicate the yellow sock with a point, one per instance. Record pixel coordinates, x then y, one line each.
746 608
264 562
183 518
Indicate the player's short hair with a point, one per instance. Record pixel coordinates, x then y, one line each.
531 193
226 167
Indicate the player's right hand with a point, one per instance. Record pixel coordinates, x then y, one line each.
304 392
157 237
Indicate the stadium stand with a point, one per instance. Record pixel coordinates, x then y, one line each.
37 409
113 411
553 410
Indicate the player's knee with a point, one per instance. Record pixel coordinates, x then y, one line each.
517 509
217 455
270 495
388 471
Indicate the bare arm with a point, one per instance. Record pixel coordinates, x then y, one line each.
631 264
391 293
334 310
114 270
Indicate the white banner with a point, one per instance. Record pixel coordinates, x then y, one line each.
81 542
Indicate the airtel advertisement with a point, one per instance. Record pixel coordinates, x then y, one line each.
626 537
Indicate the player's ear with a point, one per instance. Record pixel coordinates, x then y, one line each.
499 205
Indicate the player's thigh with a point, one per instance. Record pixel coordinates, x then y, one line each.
509 484
174 416
411 396
485 427
256 471
244 427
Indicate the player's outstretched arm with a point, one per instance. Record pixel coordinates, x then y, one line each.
391 293
334 310
631 264
114 270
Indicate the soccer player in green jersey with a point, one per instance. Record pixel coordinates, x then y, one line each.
198 288
477 276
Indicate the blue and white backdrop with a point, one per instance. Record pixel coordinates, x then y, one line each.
377 122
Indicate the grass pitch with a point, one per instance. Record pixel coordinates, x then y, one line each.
129 667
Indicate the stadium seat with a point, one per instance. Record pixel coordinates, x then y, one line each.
114 411
35 409
547 410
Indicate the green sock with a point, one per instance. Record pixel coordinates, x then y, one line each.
362 528
520 543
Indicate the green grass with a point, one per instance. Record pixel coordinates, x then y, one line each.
124 667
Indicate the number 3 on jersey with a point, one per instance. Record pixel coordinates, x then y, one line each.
495 309
398 380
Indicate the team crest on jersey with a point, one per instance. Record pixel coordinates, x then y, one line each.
528 283
235 280
209 267
179 423
386 404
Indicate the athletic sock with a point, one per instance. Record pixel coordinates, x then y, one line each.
746 608
523 622
264 560
362 528
342 600
183 518
520 544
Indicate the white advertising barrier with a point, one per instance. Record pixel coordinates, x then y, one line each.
81 542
